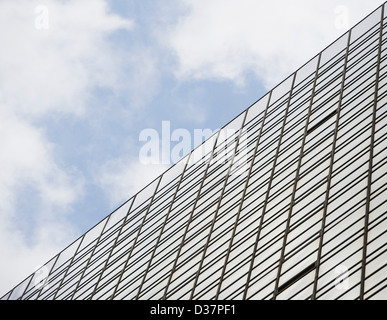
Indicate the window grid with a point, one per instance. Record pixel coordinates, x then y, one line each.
266 212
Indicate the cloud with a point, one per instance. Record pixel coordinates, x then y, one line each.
33 235
123 177
228 39
51 69
48 67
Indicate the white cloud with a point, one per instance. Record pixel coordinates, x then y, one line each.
226 39
45 71
124 177
29 238
52 69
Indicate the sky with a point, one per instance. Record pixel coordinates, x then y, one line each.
87 85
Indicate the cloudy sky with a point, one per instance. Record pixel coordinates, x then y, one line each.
80 80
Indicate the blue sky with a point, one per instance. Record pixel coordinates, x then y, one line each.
80 80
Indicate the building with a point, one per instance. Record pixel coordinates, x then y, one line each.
287 201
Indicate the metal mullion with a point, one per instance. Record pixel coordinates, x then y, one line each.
278 213
325 75
72 275
299 248
181 285
269 269
319 105
353 137
243 196
195 170
216 239
342 217
176 231
329 64
355 47
122 251
357 75
110 232
229 273
272 127
120 245
273 240
85 283
301 97
273 229
296 281
360 56
361 93
137 237
48 277
281 100
148 233
314 166
375 222
235 185
368 33
186 197
293 226
350 239
307 81
162 228
252 128
190 218
258 168
286 165
25 290
294 142
321 134
278 194
269 187
296 112
347 164
347 257
112 248
331 170
256 189
330 270
162 199
213 262
274 107
369 191
217 208
299 187
294 127
374 255
327 134
327 83
299 291
69 266
130 282
378 284
354 286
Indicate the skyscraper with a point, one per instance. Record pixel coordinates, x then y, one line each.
287 201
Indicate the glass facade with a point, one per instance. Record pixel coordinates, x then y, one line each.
287 201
